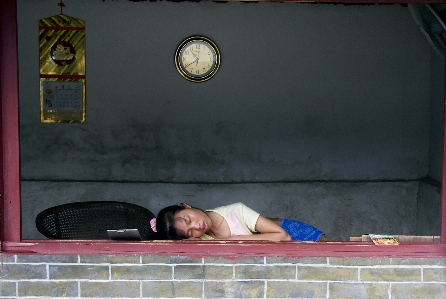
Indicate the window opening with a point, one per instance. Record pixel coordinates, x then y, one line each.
11 218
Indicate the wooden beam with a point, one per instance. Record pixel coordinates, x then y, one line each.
443 184
10 121
228 249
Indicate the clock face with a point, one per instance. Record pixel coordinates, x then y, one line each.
197 59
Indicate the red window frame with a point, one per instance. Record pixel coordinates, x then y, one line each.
10 230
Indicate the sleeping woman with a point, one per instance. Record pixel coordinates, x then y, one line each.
231 222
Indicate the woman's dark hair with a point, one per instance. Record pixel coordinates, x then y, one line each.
165 223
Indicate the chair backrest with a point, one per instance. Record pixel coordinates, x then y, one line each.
90 220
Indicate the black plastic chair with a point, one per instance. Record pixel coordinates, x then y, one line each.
91 220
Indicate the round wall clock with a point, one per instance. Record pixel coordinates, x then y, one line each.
197 58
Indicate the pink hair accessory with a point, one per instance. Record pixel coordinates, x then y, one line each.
153 224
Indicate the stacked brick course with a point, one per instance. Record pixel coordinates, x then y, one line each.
139 276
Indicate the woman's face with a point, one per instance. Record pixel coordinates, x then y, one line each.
192 222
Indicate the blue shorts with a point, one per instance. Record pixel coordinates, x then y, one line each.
300 231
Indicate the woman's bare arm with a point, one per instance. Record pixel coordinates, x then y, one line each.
268 230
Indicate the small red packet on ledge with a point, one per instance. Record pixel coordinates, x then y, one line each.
384 239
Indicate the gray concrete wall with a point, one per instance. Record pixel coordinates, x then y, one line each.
437 118
428 209
305 93
339 209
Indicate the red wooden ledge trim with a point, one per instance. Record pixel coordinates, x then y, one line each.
346 1
61 28
229 249
63 76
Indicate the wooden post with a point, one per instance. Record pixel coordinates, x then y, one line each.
443 183
11 226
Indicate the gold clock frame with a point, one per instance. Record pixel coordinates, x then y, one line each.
187 75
